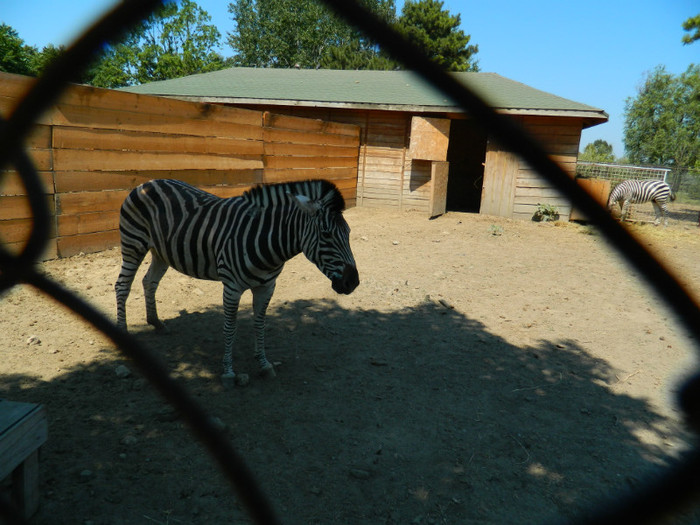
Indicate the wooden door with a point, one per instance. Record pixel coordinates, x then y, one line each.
500 177
438 190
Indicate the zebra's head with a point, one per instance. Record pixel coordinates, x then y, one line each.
326 240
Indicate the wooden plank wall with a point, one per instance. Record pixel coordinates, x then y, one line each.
297 148
560 138
388 177
383 174
95 145
386 162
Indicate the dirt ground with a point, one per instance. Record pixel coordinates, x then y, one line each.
485 371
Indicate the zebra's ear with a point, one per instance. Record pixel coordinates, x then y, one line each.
306 204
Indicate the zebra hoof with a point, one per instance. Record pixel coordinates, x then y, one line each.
230 381
157 324
268 372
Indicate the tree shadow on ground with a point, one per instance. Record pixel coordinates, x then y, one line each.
413 416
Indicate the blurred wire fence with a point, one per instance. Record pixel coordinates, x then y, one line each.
660 499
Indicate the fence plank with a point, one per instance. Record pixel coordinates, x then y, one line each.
310 162
17 207
88 243
11 183
95 160
302 137
18 230
89 117
89 201
87 223
112 139
310 150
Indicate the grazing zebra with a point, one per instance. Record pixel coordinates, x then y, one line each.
638 191
242 241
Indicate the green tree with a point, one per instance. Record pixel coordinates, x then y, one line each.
299 33
597 151
354 55
15 56
437 32
662 123
304 33
177 40
40 61
693 23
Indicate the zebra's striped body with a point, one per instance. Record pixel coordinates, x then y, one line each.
241 241
639 191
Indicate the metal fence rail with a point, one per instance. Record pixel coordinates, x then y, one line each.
684 182
616 173
677 489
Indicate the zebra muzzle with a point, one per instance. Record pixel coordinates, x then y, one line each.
346 282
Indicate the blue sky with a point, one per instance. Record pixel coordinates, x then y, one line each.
596 52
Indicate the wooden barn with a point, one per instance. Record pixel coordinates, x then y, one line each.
417 150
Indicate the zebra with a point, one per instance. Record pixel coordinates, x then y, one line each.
638 191
241 241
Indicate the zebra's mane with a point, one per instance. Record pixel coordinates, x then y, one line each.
319 190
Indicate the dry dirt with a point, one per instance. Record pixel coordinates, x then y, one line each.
485 371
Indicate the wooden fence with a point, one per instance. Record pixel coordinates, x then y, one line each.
95 145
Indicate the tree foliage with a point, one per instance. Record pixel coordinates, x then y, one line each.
299 33
597 151
304 33
15 56
437 32
175 41
692 24
662 124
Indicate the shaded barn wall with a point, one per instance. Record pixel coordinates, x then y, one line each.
388 175
95 145
512 188
560 138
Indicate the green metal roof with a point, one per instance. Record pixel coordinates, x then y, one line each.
394 90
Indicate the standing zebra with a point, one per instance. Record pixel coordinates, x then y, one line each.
242 241
638 191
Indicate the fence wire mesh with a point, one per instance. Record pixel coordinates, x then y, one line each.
616 173
661 498
684 182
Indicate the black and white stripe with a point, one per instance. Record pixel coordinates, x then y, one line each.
242 241
639 191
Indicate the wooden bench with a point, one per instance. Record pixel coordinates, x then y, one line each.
23 429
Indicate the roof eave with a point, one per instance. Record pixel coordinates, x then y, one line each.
590 118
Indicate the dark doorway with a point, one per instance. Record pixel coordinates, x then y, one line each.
466 154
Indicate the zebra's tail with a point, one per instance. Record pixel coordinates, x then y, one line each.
672 196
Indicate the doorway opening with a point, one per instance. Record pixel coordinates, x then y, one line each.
466 154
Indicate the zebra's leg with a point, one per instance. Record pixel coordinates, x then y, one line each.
131 260
657 212
664 212
261 300
150 284
232 298
661 210
624 211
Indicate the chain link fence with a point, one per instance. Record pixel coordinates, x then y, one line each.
685 183
660 499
